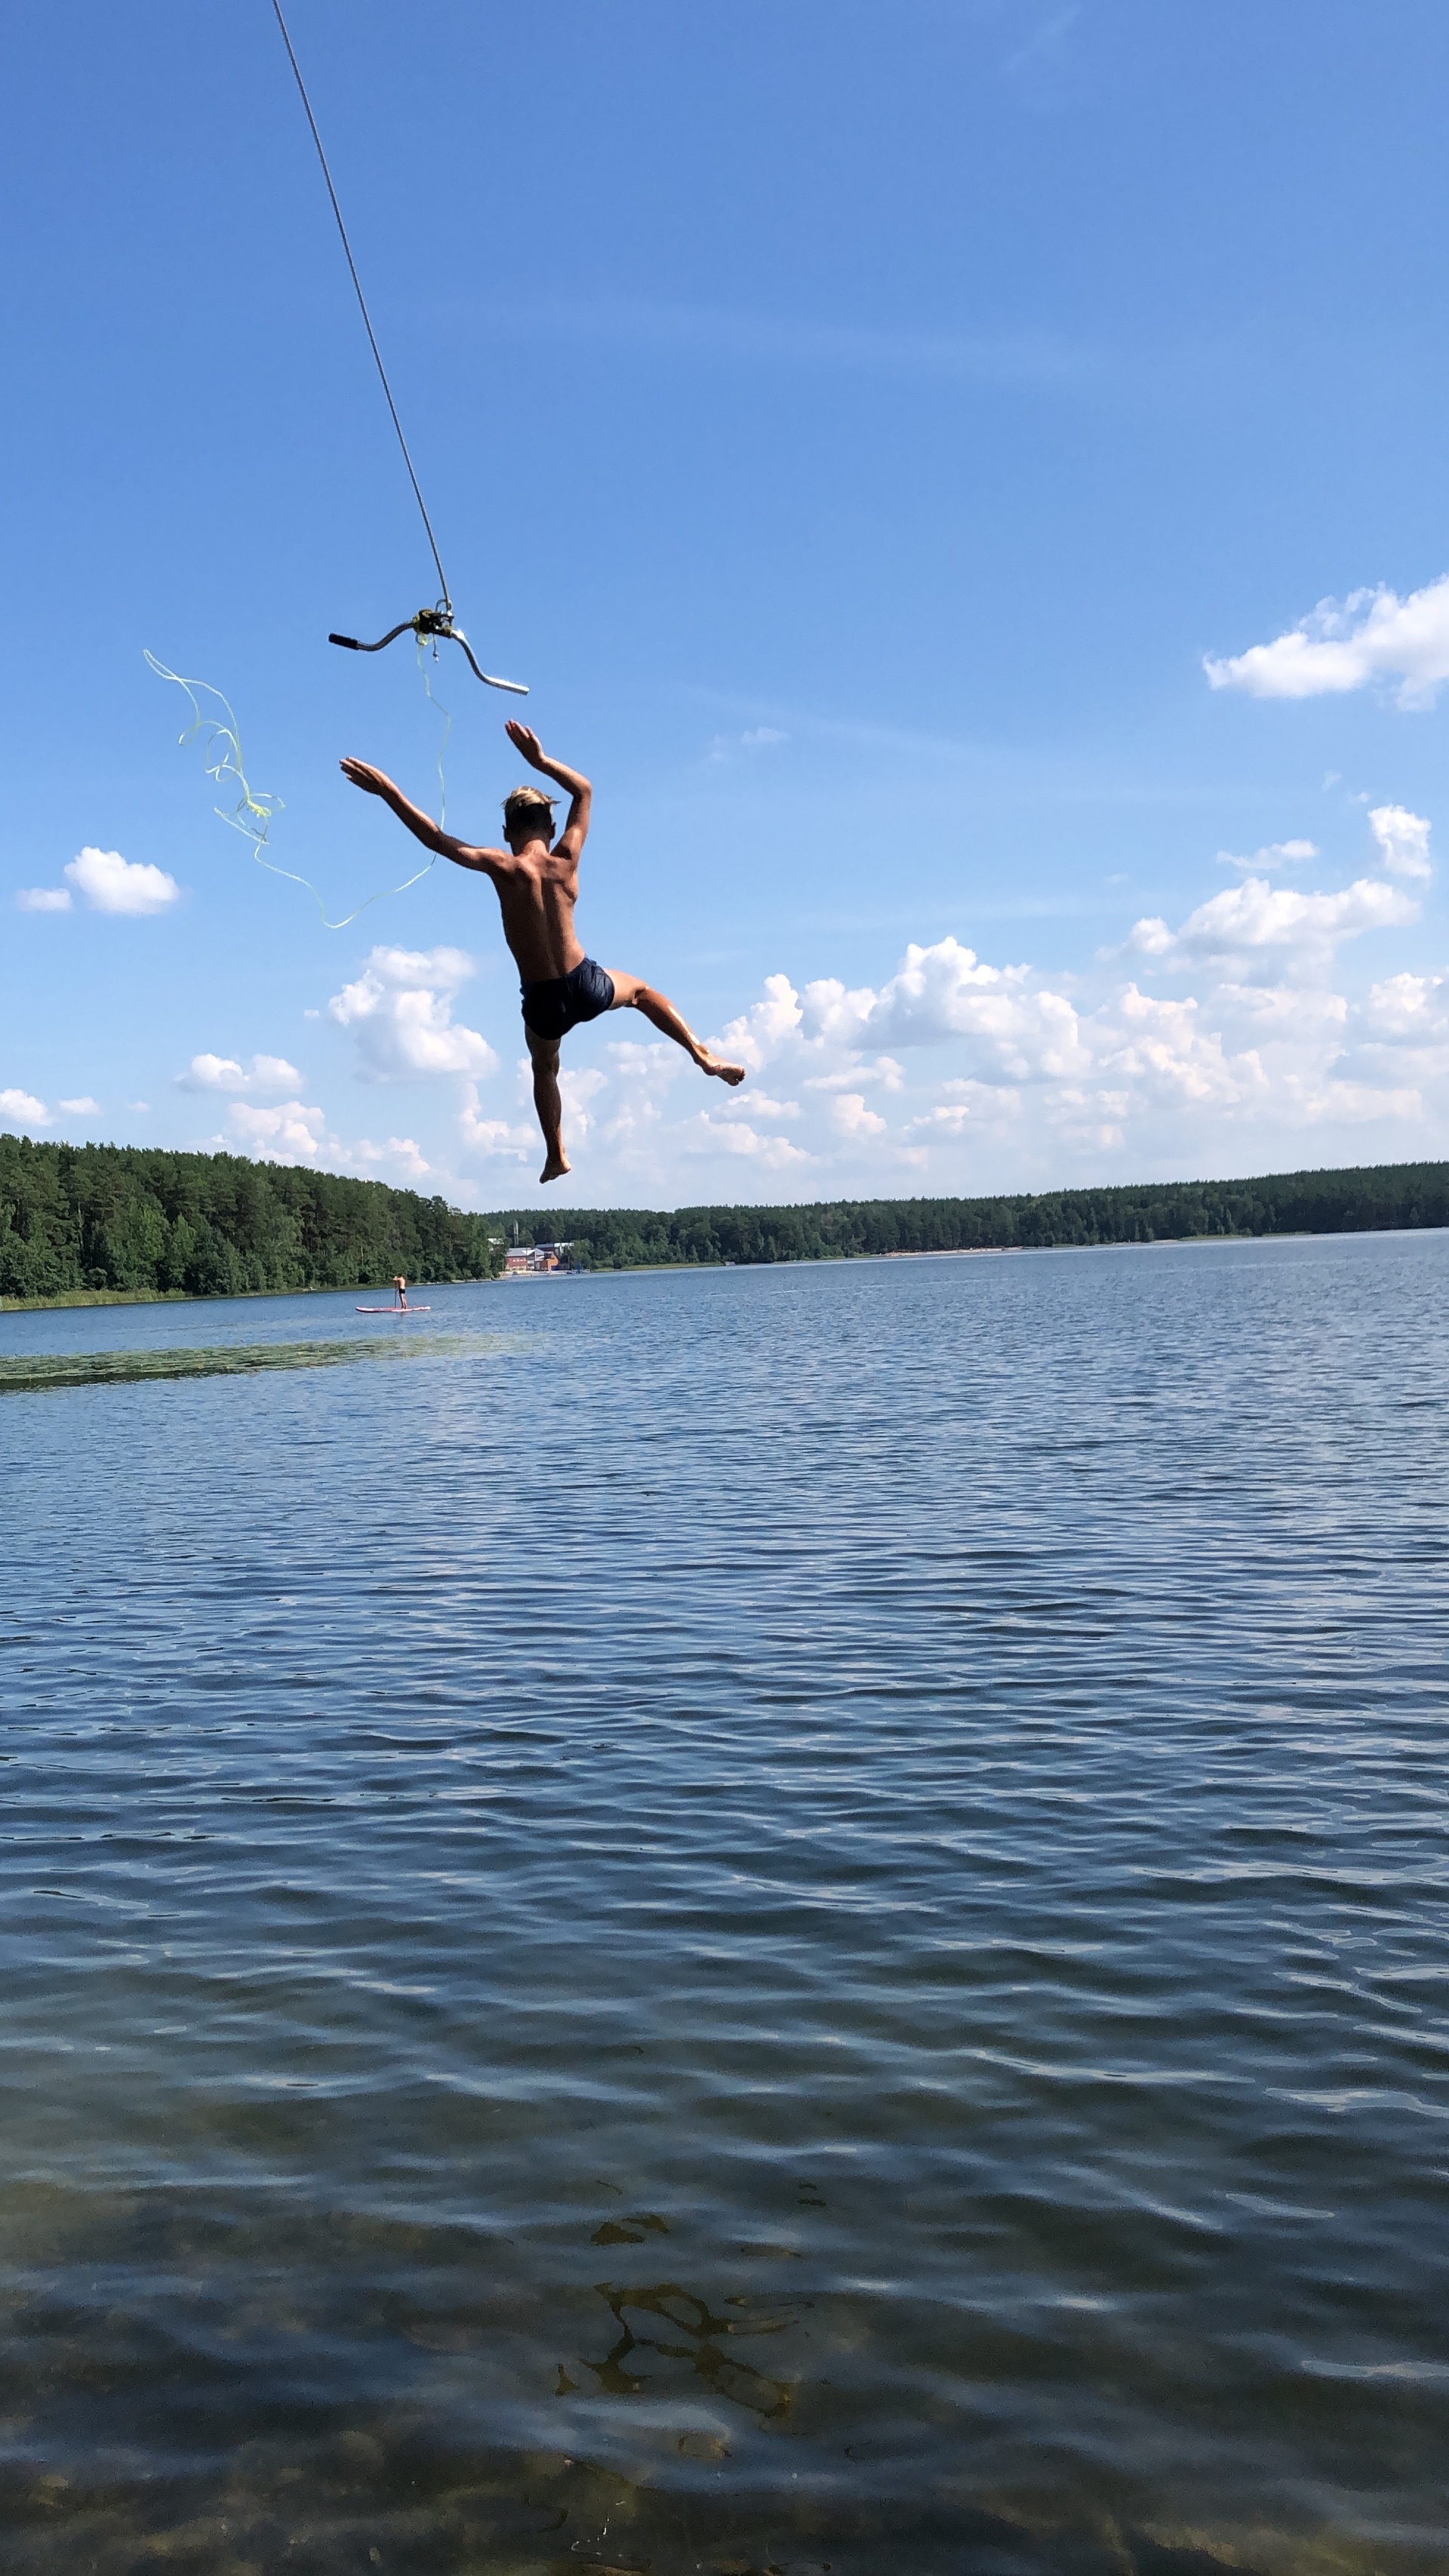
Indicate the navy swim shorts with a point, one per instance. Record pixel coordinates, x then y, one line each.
552 1008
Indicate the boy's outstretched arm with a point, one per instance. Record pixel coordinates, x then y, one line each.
581 795
375 782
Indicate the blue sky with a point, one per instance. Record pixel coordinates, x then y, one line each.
907 453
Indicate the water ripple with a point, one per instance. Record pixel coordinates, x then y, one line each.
761 1920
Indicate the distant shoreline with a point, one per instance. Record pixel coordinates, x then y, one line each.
194 1297
83 1297
1373 1199
125 1225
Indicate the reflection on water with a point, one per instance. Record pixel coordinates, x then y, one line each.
797 1924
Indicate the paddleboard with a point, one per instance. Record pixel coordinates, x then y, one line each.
392 1310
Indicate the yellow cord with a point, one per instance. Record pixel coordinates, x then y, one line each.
447 730
253 811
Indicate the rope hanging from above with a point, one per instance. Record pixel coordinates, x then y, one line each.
438 622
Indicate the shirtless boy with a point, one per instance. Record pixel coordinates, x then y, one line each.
537 883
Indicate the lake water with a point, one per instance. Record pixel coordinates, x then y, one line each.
739 1921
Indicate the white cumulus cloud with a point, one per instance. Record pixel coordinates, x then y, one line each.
579 1089
82 1108
43 899
403 1152
1009 1031
937 994
400 1011
983 1104
1166 1051
1020 1078
24 1108
290 1133
1258 916
495 1137
1371 635
1403 840
850 1117
735 1137
883 1072
113 884
225 1073
1411 1006
293 1132
757 1034
971 1075
760 1105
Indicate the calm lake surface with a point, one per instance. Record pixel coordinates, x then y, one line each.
760 1920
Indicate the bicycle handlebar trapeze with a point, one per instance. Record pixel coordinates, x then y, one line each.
435 622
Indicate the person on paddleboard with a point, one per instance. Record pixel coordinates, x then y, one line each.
537 883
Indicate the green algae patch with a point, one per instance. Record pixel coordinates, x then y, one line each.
37 1372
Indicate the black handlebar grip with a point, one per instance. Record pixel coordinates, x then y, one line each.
350 641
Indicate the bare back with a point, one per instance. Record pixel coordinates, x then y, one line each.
537 889
538 885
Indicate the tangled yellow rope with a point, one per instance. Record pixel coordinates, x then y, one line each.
254 810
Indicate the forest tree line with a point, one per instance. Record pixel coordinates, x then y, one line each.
214 1225
131 1220
1384 1196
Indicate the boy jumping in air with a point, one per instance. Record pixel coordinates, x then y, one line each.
537 883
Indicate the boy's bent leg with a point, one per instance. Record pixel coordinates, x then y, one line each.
548 1101
631 993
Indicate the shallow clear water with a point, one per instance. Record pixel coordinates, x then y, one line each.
795 1920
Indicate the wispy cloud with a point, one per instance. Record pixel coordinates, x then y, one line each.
1274 854
717 332
723 746
1044 47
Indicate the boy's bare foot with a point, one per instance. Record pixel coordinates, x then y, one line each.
730 1073
556 1166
